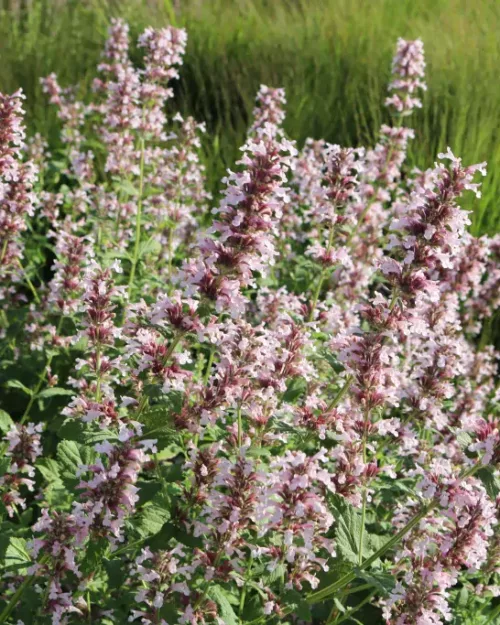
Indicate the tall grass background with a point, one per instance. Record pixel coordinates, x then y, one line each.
332 56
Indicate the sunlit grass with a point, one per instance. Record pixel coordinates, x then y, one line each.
332 56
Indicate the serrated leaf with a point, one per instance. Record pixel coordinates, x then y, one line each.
56 494
5 421
277 574
55 391
226 612
17 555
49 468
159 421
348 532
151 519
68 453
96 550
83 433
464 439
170 451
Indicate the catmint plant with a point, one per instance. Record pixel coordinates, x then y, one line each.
277 405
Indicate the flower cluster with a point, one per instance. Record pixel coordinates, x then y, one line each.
279 406
408 73
24 447
17 200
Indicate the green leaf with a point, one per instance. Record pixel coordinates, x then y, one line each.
490 481
117 573
17 555
151 246
84 433
169 531
463 596
226 612
127 187
170 451
298 604
57 494
159 421
49 468
384 582
19 385
464 439
68 453
295 389
94 555
4 465
151 519
333 361
258 452
348 532
5 421
277 574
55 391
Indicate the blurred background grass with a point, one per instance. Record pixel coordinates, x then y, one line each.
332 56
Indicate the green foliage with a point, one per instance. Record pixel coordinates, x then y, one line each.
221 598
348 531
16 556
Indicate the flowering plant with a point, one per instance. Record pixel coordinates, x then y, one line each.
286 414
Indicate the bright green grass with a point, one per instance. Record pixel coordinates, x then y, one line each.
332 56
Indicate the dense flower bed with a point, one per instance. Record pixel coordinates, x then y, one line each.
275 407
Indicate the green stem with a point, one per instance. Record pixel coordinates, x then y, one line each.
365 485
29 283
493 615
316 294
170 251
338 397
350 612
365 489
330 590
138 220
37 388
206 585
240 426
98 372
321 276
361 218
320 595
18 594
4 249
244 589
89 607
210 361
